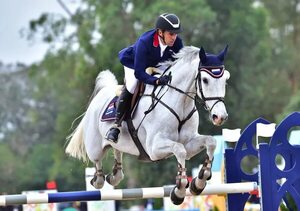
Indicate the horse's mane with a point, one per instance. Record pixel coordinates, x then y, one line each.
187 53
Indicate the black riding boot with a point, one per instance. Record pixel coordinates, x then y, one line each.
123 105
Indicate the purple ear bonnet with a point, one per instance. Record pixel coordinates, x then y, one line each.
207 59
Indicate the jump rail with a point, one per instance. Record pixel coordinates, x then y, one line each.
120 194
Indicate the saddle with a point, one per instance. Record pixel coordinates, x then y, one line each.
110 111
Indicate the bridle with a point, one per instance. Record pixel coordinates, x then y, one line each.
211 70
215 72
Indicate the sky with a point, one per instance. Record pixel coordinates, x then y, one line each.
15 16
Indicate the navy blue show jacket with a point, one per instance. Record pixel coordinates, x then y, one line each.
145 52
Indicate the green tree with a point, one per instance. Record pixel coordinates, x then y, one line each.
285 32
9 168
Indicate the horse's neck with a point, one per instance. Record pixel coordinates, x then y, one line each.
183 78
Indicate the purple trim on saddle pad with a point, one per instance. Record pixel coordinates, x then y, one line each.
110 111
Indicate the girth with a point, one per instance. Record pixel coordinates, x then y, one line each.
132 130
134 135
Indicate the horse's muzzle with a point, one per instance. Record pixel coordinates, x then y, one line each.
219 119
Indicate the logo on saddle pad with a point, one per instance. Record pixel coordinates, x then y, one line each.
110 111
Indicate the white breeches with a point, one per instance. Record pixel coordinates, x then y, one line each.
130 79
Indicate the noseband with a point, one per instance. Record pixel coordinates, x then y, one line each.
215 72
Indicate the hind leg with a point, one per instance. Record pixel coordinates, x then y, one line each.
117 173
98 179
96 154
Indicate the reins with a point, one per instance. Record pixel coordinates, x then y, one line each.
156 100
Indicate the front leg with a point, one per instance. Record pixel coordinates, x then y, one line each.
162 148
198 183
198 143
193 147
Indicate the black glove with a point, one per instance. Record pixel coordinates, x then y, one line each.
164 80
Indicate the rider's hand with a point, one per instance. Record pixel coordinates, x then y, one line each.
163 80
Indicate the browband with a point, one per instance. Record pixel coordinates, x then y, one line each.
214 71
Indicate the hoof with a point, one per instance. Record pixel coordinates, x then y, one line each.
194 190
108 178
94 183
93 180
175 199
112 180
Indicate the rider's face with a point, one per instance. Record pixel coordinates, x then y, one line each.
168 38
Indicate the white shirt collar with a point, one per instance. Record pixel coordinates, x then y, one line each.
162 47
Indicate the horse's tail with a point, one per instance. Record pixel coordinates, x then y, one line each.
105 78
76 147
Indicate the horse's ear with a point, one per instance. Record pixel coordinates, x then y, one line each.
222 54
202 55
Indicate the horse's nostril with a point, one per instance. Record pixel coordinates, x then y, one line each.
214 117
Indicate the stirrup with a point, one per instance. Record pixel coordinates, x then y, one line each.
113 134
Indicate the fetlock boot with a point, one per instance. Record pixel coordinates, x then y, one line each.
123 105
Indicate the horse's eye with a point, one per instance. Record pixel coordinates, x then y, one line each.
205 80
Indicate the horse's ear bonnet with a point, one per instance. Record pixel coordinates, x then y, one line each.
211 59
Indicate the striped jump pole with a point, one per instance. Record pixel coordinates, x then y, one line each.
120 194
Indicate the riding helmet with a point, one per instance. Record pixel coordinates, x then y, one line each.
168 22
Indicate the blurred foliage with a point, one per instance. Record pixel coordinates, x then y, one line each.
41 101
